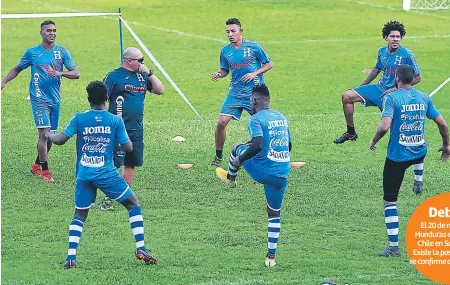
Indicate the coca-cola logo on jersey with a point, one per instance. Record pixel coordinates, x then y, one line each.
99 148
284 141
416 126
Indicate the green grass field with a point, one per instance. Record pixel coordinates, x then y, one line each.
201 231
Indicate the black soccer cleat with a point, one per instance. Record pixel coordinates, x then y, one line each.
69 264
390 251
418 187
216 161
346 137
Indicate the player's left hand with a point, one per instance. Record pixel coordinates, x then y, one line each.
445 153
372 145
236 162
248 77
53 73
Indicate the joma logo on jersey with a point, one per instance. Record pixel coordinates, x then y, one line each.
277 123
413 107
57 54
96 130
131 88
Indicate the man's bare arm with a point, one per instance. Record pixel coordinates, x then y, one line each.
11 75
371 76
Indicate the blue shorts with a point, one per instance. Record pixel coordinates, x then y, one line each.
45 115
371 95
274 186
233 107
114 187
134 158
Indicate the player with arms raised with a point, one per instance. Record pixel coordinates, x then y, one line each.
389 58
246 61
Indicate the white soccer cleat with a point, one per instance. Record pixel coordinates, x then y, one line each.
270 260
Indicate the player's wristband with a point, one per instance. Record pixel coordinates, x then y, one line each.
150 73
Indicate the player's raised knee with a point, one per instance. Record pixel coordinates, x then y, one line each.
349 96
236 146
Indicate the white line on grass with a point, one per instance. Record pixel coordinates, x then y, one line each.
184 34
399 9
348 39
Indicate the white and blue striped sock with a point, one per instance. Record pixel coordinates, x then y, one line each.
273 233
75 230
232 171
392 223
418 171
137 226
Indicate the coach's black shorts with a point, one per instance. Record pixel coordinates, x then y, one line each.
134 158
393 177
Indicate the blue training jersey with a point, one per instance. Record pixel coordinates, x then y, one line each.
250 56
274 158
388 63
126 94
42 87
408 109
98 132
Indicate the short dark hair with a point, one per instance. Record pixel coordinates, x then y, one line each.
233 21
393 26
97 92
48 22
405 73
261 90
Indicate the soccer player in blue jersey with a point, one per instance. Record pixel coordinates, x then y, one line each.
127 87
404 113
246 61
98 132
46 60
266 159
389 58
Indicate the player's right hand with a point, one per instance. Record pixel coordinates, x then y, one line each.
373 145
215 76
445 153
144 69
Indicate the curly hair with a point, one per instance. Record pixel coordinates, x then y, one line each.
97 92
393 26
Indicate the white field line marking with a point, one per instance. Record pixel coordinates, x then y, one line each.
185 34
399 9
